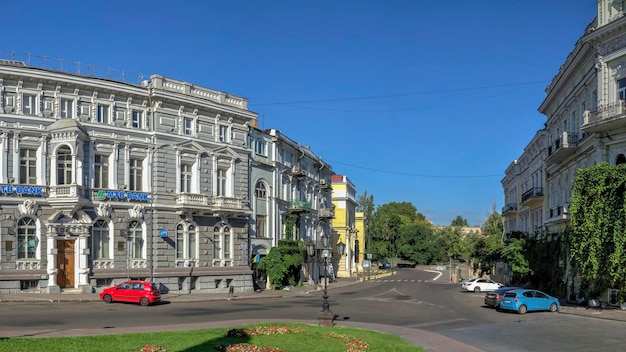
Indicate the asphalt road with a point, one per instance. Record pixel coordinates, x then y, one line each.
409 299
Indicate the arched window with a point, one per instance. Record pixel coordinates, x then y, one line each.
260 191
186 241
135 236
620 159
64 166
100 241
26 239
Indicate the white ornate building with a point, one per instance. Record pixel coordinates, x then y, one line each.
288 180
101 180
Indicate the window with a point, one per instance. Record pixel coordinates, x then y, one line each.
261 224
101 171
137 121
260 191
66 108
188 126
221 182
28 166
216 243
64 166
620 159
135 237
186 242
259 147
103 113
223 133
621 89
226 242
100 240
26 239
185 178
28 104
136 170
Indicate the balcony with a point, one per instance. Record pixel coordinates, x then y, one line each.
228 204
299 206
532 196
64 192
558 214
509 208
605 118
326 213
192 200
296 171
563 147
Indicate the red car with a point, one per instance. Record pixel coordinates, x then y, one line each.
134 291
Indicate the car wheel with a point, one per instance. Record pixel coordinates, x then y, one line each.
522 309
107 298
477 289
554 307
144 301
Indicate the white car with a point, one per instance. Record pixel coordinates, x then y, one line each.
478 285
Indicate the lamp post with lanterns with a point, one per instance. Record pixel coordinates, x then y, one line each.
326 316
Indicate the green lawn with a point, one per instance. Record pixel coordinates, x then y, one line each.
295 337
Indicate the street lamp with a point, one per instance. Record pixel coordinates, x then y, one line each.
327 316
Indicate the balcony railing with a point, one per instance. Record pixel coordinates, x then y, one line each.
66 191
510 207
227 203
563 147
594 120
298 206
534 192
192 199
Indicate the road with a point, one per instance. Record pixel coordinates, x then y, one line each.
410 298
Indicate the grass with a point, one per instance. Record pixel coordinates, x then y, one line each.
314 339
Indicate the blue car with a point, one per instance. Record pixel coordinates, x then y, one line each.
523 301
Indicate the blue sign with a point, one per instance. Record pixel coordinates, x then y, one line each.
163 233
22 190
105 194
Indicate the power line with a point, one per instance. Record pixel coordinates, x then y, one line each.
412 174
370 97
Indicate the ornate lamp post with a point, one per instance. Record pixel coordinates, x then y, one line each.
327 316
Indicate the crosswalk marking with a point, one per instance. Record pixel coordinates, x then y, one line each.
400 280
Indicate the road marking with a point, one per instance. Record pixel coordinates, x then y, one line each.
442 322
434 271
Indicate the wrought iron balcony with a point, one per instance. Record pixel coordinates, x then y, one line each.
509 208
535 193
605 117
563 147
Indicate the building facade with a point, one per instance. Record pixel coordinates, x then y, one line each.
585 109
103 180
347 229
292 196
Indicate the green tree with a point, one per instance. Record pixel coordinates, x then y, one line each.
282 264
598 220
488 249
365 204
459 221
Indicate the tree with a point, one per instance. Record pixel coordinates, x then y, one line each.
488 249
598 220
365 204
283 263
459 221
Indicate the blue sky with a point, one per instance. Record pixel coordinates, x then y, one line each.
420 101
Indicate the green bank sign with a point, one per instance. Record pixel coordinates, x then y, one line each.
121 195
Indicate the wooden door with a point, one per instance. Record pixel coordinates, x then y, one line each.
65 263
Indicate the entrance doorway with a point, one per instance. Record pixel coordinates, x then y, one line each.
65 263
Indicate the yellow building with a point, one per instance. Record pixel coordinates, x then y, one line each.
348 227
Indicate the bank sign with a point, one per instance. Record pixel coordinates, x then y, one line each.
121 195
21 190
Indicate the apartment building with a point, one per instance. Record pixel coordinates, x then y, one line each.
103 180
292 196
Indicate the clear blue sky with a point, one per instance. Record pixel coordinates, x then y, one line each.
420 101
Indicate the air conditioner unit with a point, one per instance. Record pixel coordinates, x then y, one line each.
322 182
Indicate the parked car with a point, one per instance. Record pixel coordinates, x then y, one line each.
523 301
134 291
492 299
479 284
385 265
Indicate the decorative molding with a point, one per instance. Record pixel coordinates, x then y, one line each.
136 211
28 207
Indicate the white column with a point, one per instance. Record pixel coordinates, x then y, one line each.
16 159
83 261
3 158
52 258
